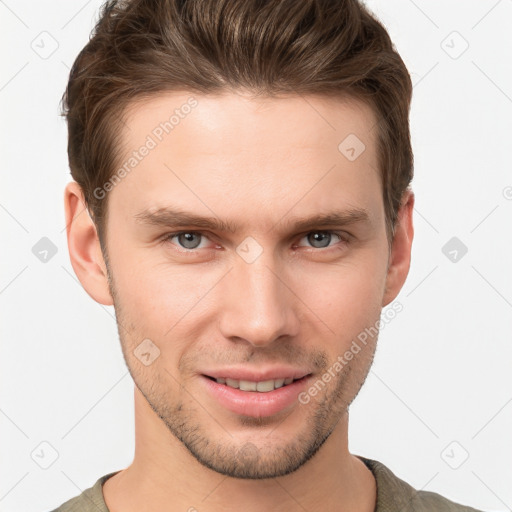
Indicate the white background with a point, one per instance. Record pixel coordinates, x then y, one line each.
441 385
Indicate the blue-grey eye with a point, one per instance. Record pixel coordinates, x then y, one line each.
319 239
187 241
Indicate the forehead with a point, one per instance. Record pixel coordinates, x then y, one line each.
299 121
233 153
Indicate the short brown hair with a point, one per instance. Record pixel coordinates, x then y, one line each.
269 47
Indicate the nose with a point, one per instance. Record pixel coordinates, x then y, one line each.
258 305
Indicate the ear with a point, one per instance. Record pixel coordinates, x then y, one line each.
84 246
400 254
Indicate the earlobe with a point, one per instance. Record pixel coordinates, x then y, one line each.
400 256
84 246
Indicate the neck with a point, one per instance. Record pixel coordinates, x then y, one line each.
164 476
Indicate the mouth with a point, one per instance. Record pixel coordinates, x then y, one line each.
256 396
262 386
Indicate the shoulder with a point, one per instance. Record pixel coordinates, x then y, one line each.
396 494
90 500
426 500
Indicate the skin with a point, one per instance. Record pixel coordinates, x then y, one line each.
257 163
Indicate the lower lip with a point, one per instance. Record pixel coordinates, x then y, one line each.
254 403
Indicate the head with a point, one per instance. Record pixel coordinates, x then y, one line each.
263 119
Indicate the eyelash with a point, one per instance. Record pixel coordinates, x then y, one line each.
344 238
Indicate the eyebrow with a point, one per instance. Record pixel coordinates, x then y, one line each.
174 218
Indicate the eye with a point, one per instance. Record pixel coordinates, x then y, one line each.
195 240
323 239
187 239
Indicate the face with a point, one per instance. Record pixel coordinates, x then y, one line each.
268 291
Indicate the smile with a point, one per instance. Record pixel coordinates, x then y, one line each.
257 398
260 386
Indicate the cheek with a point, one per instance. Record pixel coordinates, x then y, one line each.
163 291
346 297
167 304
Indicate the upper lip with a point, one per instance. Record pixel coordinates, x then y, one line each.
256 375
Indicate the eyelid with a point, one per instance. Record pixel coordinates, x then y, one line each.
168 236
343 235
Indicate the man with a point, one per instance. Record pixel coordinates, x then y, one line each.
242 197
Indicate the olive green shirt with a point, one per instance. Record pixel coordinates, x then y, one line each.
393 495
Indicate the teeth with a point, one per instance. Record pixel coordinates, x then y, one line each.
232 383
266 385
246 385
278 383
263 386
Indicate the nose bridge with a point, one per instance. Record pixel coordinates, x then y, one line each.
258 306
